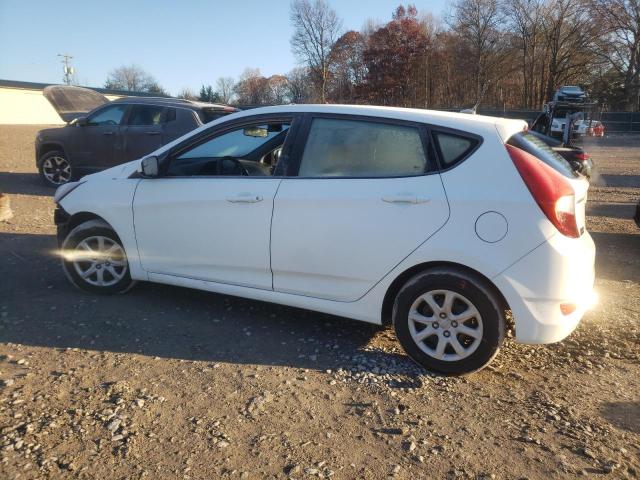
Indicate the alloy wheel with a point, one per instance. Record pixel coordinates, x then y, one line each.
445 325
56 169
99 261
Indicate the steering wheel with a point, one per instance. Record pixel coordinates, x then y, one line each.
243 171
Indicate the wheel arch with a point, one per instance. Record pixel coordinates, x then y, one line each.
79 218
49 147
402 278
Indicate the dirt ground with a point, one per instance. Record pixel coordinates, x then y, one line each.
165 382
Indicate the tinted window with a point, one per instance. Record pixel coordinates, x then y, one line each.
248 150
354 148
111 115
534 145
210 114
146 115
453 148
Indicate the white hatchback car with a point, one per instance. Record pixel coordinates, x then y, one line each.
437 223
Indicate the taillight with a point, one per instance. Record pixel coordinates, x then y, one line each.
580 156
551 191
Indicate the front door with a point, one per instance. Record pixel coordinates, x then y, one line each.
209 216
96 145
365 197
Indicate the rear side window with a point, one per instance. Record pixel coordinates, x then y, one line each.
534 145
146 115
210 114
453 148
354 148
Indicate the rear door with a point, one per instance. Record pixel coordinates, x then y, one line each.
143 132
366 195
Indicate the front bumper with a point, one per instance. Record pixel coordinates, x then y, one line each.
560 271
61 219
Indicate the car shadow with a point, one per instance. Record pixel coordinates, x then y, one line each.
611 210
623 415
619 180
24 184
614 257
41 308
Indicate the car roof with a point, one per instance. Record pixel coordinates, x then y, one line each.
479 124
174 102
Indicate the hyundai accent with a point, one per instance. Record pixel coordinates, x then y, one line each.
436 223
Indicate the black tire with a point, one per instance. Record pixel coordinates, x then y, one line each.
470 288
51 179
90 231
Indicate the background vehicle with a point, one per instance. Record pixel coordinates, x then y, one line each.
384 215
570 93
114 132
579 160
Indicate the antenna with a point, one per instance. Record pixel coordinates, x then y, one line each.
68 70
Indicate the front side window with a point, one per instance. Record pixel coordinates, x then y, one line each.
111 116
248 150
355 148
146 115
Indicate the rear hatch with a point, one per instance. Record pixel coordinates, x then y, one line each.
72 102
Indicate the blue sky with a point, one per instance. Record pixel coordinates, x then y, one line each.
181 43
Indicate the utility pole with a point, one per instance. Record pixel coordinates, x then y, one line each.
67 69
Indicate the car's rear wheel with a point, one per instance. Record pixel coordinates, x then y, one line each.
55 168
95 260
448 321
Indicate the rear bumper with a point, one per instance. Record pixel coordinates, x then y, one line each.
560 271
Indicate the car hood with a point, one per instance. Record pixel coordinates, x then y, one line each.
71 102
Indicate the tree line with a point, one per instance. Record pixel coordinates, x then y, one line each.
497 53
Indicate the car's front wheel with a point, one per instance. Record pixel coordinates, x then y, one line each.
95 260
55 168
448 321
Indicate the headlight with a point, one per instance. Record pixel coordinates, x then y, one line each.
64 190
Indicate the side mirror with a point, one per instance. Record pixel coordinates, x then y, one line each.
150 166
81 121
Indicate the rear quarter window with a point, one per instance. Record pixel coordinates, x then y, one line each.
453 148
537 147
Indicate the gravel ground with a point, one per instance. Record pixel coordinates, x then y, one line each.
166 382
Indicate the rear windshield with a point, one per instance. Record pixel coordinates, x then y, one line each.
210 114
534 145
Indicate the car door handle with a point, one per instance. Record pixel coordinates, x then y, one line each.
107 133
245 198
153 133
405 198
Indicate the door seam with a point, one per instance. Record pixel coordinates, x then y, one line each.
273 208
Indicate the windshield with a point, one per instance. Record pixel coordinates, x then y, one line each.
537 147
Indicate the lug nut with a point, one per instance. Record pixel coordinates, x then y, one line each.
446 333
443 315
435 325
454 324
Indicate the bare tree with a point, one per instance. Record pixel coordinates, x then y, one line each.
224 88
620 44
187 94
298 85
315 29
132 78
252 88
479 23
278 89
